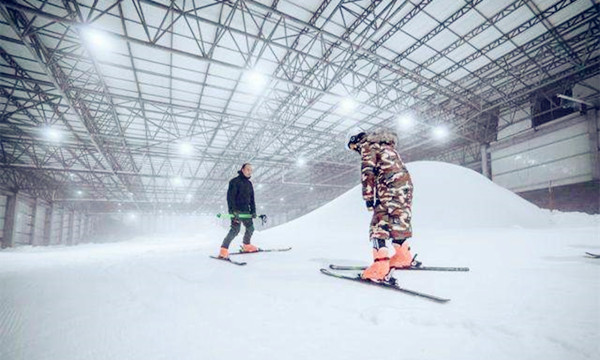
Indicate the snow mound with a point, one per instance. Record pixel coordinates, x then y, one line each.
446 196
451 196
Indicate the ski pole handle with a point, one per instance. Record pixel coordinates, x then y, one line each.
263 217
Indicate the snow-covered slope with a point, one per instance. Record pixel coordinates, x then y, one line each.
446 197
530 294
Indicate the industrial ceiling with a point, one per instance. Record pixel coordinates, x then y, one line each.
154 105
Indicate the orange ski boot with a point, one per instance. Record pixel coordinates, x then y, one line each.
223 253
380 268
402 259
248 248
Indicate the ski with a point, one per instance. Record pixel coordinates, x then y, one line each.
423 268
260 250
595 256
392 285
228 260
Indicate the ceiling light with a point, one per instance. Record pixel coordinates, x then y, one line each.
301 161
440 132
405 122
97 39
177 180
257 80
52 134
186 148
346 106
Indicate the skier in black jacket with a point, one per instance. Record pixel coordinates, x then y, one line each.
240 200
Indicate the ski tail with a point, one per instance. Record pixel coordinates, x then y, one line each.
391 284
228 260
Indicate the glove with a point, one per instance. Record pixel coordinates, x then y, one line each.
236 215
370 205
254 215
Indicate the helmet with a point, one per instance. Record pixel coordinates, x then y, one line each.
356 139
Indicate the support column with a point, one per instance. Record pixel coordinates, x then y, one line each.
89 226
486 168
80 227
48 225
70 228
8 240
34 209
61 226
594 133
86 221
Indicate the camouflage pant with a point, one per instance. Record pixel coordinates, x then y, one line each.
392 218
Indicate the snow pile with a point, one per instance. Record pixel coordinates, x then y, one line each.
449 196
446 197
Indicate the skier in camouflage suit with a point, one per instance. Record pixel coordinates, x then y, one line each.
387 190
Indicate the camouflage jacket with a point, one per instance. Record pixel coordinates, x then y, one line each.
383 173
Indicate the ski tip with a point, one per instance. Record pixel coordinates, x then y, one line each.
276 250
327 272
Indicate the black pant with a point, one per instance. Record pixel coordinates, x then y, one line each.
235 229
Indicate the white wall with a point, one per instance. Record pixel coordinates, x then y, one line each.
40 218
56 226
3 200
554 154
23 222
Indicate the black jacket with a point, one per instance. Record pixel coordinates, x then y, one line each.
240 195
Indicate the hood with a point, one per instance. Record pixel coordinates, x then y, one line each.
242 175
383 136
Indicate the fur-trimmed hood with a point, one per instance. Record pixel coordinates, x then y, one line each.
383 135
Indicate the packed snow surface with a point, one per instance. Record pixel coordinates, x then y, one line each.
531 293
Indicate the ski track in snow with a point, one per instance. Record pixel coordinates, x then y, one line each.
10 323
